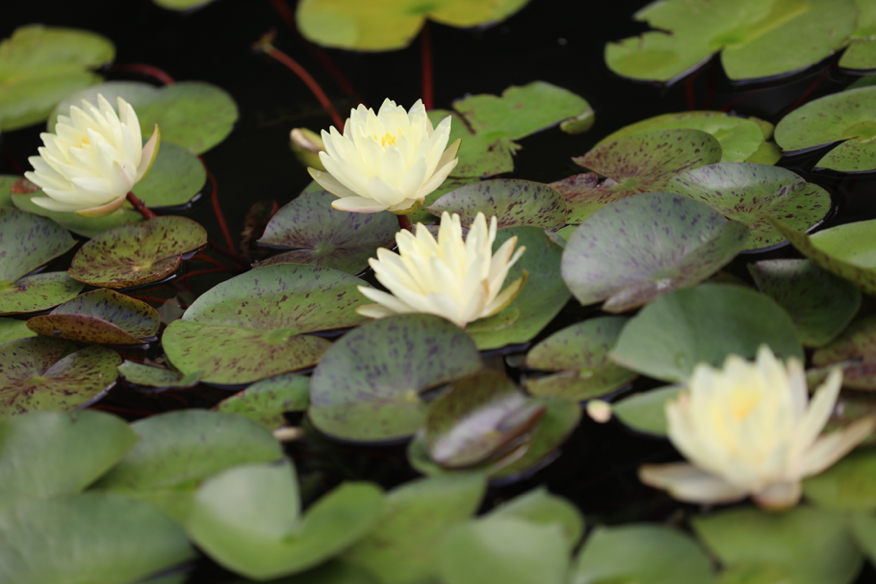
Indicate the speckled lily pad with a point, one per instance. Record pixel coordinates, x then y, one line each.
366 388
27 242
132 255
323 236
635 164
633 251
265 401
102 317
253 326
45 374
855 351
157 378
12 329
514 202
37 292
580 354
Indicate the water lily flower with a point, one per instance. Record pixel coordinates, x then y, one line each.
388 161
457 278
93 159
747 430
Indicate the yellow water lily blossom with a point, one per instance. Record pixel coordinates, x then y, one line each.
385 161
456 277
93 159
746 430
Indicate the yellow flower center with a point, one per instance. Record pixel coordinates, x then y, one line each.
388 139
743 403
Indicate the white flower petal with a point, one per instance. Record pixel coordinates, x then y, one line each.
686 482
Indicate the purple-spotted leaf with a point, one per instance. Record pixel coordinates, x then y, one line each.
37 292
855 351
28 241
635 164
157 378
266 400
422 215
366 388
137 254
323 236
102 317
478 418
253 326
514 202
748 193
40 373
636 250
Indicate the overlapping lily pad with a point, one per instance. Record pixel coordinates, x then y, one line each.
848 116
633 251
366 387
84 226
860 55
635 164
6 182
748 193
820 303
846 485
515 202
855 351
323 236
27 242
37 292
40 65
157 378
254 326
132 255
12 329
703 324
541 507
580 354
100 317
41 373
646 411
265 401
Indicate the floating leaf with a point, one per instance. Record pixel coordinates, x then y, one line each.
514 202
846 485
37 292
84 226
182 5
366 387
636 250
646 411
12 329
6 182
864 530
323 236
101 317
861 52
422 215
855 351
265 401
27 242
158 378
540 507
748 193
253 326
703 324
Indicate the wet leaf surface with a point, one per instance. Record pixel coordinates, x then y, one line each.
158 378
37 292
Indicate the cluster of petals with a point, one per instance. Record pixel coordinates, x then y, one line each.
458 278
749 429
385 161
93 159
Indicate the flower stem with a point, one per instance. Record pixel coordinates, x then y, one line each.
404 222
141 207
143 69
426 61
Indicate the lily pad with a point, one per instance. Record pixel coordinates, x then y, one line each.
638 163
41 65
514 202
44 374
323 236
27 242
265 401
820 303
636 250
366 388
540 507
748 193
703 324
132 255
848 116
646 411
860 55
422 215
100 317
12 329
254 326
855 351
847 485
864 529
248 519
84 226
37 292
157 378
91 540
580 353
6 182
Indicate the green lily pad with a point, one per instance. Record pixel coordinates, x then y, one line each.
132 255
815 545
158 378
84 226
402 547
638 163
820 303
422 215
703 324
636 250
860 55
366 388
44 454
100 317
247 518
254 326
540 299
740 138
646 411
194 115
27 242
514 202
93 537
40 65
748 193
864 530
323 236
757 39
845 485
641 553
37 292
855 351
43 374
12 329
580 353
265 401
6 182
178 450
540 507
182 5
